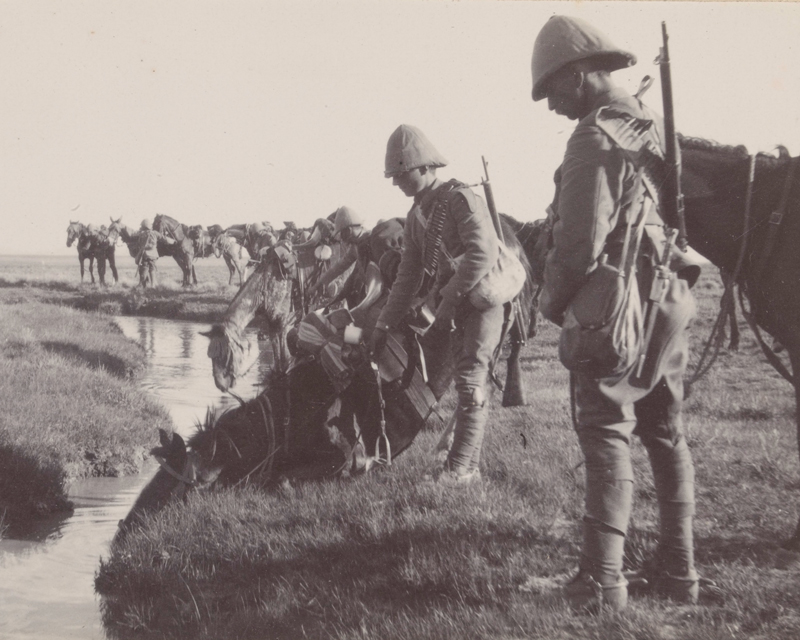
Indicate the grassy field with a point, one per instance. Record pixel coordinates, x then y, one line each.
58 282
389 556
68 408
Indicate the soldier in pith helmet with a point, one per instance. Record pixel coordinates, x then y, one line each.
147 253
449 245
600 193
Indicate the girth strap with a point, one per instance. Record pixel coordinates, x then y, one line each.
775 219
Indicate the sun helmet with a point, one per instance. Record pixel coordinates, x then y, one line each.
147 223
90 228
407 149
565 39
345 217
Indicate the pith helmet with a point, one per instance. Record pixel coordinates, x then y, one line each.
90 228
345 217
407 149
147 224
564 39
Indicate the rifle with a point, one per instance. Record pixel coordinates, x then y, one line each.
672 197
487 191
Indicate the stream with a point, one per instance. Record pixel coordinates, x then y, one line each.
47 572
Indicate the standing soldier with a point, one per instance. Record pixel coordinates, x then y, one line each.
449 245
148 252
600 192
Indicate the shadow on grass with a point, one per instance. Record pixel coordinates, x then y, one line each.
94 359
391 574
31 487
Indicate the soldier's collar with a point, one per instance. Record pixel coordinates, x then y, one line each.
425 194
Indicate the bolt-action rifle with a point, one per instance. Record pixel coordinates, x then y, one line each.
671 201
672 197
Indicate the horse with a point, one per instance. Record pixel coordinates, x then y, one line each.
272 294
236 256
183 248
104 247
532 236
301 427
750 238
203 240
77 231
171 481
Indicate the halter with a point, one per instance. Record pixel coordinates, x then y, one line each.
186 479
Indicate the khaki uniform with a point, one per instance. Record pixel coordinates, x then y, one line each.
148 254
471 249
594 200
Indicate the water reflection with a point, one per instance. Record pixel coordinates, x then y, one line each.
47 570
179 370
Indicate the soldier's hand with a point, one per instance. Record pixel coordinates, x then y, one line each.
377 341
445 315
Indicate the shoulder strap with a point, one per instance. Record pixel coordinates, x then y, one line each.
639 140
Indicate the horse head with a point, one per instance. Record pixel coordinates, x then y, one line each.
74 231
172 481
114 230
227 349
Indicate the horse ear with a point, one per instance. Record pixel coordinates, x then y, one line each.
165 438
178 442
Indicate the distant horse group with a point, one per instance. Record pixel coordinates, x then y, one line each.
239 245
96 246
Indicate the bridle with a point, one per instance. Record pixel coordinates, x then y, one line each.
186 479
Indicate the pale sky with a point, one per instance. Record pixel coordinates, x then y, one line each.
231 111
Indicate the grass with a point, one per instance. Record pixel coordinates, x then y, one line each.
47 282
388 556
68 408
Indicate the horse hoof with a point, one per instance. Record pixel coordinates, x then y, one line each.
787 560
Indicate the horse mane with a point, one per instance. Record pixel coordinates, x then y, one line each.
733 152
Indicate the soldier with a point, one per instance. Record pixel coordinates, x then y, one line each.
148 252
449 245
598 193
364 246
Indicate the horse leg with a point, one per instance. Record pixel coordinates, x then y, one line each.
733 345
793 543
101 270
80 260
231 269
91 267
513 391
113 264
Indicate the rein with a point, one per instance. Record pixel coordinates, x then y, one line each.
727 299
706 362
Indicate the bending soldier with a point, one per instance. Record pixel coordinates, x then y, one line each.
148 252
449 245
598 195
363 246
